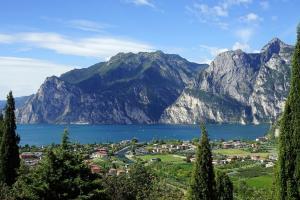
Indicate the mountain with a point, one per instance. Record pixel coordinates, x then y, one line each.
237 87
19 102
129 88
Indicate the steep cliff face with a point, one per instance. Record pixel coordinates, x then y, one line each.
129 88
237 87
155 87
51 103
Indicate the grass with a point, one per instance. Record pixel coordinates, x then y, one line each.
172 168
177 174
239 152
260 182
231 152
168 158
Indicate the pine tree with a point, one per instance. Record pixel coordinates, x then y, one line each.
224 186
9 149
203 179
288 174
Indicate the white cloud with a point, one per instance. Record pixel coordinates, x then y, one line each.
230 3
244 34
251 18
80 24
209 15
211 11
4 38
98 47
243 46
24 75
214 51
86 25
143 3
215 14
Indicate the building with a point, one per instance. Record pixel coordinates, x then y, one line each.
125 142
95 169
155 160
270 164
273 157
227 145
261 139
231 159
100 153
121 172
31 158
112 172
255 157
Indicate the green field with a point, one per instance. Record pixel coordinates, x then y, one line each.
261 182
168 158
238 152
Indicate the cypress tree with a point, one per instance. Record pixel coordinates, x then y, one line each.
9 149
203 178
288 174
224 186
1 126
65 140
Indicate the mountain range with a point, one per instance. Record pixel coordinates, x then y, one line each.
154 87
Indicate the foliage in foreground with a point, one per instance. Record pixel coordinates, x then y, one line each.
288 175
62 174
9 149
203 184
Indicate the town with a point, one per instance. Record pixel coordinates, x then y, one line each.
173 159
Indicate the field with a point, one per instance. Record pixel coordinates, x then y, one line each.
177 172
239 152
260 182
168 158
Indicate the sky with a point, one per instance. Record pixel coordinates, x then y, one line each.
44 38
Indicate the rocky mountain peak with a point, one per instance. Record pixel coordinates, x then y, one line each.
151 87
274 46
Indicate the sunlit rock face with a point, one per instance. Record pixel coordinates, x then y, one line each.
146 88
237 87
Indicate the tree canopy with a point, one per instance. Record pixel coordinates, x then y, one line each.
203 178
288 174
9 149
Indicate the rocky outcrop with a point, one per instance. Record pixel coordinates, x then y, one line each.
237 87
145 88
129 88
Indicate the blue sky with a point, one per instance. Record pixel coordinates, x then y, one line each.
44 38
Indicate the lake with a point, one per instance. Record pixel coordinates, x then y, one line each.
43 134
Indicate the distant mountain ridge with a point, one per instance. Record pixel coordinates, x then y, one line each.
154 87
129 88
19 101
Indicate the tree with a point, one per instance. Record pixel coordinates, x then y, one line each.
9 149
224 186
288 173
141 181
61 174
203 178
137 185
65 140
1 125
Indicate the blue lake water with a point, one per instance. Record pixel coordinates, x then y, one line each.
42 134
